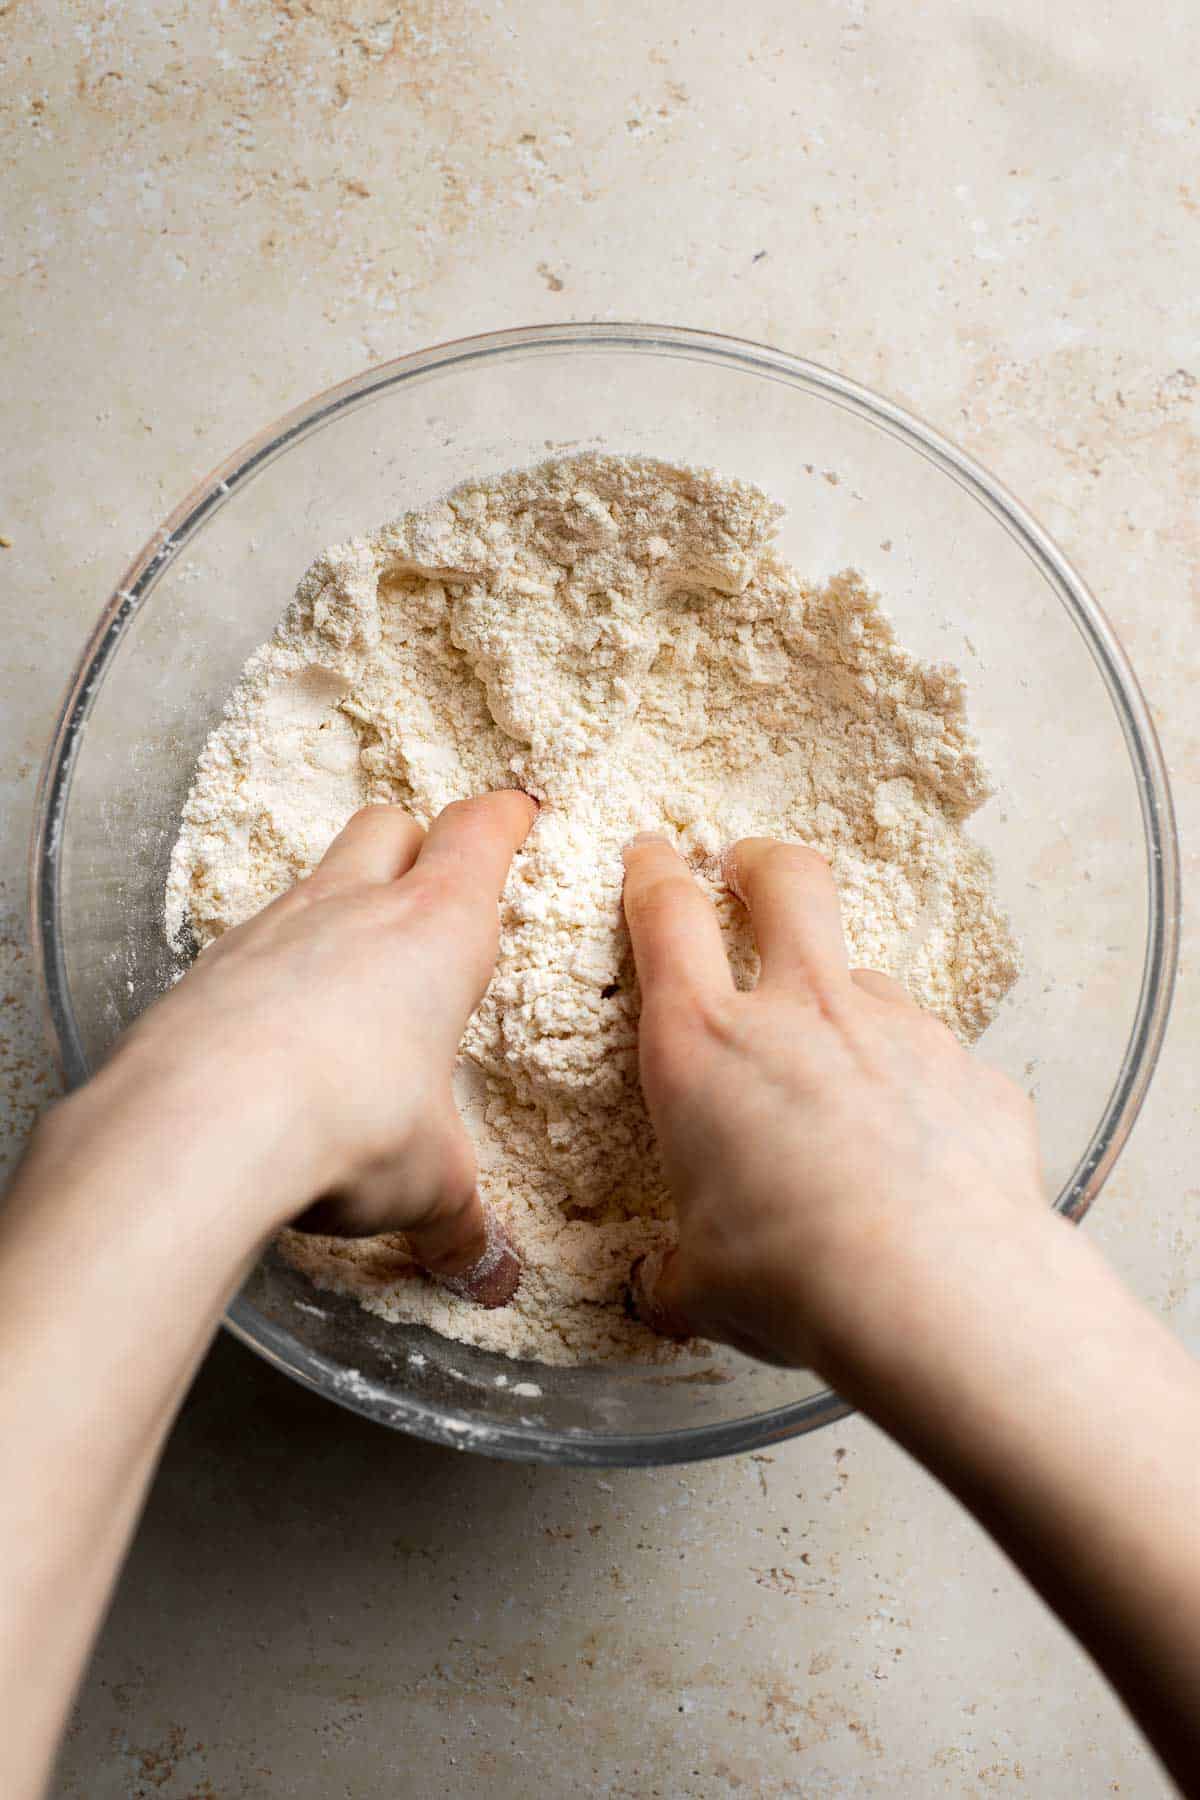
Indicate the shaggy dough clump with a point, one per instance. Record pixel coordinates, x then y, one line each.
619 638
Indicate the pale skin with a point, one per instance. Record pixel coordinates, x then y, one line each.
854 1192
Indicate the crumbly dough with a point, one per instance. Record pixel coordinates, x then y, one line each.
618 637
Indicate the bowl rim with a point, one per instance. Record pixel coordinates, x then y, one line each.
529 1442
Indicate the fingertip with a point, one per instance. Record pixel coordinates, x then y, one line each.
739 859
649 1295
513 806
489 1277
790 893
493 1283
379 842
474 841
644 840
648 857
526 806
510 812
673 927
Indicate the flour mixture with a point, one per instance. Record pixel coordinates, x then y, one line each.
619 638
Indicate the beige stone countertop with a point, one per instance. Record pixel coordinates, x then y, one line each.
989 211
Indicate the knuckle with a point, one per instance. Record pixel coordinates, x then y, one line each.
310 888
439 897
674 1033
676 1017
727 1020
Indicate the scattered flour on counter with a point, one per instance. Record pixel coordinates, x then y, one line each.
620 638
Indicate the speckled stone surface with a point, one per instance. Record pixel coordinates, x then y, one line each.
991 212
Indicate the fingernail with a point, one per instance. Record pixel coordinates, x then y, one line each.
641 1298
636 1299
644 837
525 795
492 1280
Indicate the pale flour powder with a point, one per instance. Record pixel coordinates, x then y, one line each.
619 638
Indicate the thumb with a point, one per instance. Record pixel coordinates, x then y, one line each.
469 1253
657 1296
430 1195
457 1237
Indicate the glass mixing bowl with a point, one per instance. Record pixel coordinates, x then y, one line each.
1081 827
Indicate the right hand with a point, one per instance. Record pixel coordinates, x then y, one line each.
823 1138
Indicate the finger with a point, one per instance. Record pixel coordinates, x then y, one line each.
793 905
655 1297
472 1255
380 843
455 1236
430 1194
471 843
882 987
677 943
469 1252
662 1298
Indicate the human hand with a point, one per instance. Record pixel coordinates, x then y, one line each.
823 1138
338 1010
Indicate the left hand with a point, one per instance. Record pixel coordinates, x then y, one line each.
340 1008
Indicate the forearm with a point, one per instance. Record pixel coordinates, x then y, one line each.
1068 1420
145 1197
120 1243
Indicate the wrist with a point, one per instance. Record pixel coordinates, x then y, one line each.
212 1131
944 1309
